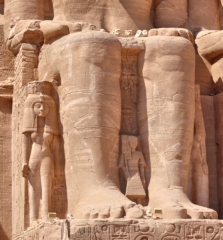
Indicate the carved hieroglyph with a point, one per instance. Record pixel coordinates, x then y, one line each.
124 229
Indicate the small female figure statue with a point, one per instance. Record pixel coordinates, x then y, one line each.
133 165
39 129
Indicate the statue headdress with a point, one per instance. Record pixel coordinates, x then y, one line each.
39 92
126 149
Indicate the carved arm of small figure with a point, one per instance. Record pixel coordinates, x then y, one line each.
123 165
26 149
142 165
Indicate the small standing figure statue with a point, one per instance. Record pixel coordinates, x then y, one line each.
39 130
133 165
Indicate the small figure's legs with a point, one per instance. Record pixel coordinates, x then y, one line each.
34 192
46 172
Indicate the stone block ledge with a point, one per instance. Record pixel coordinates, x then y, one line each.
125 229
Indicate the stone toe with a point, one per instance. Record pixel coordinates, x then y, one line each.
116 211
94 213
195 213
134 212
104 212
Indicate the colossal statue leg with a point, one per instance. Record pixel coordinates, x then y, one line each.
166 121
88 65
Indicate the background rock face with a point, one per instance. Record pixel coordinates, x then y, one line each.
132 126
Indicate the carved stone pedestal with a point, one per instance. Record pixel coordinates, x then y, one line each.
144 229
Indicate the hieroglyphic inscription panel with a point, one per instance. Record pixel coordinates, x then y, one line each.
147 229
129 91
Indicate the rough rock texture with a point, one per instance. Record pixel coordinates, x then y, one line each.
170 13
5 168
203 15
207 103
111 113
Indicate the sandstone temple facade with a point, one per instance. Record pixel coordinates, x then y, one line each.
111 119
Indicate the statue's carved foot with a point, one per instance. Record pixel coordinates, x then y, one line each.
175 204
107 203
199 212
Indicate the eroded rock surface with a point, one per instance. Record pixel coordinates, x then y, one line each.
116 114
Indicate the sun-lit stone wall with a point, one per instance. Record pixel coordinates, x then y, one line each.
5 169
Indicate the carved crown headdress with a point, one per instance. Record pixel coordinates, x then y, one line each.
43 87
39 92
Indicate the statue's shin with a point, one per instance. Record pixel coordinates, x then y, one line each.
166 109
91 106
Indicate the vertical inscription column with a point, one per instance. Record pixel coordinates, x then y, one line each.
129 85
129 93
129 82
